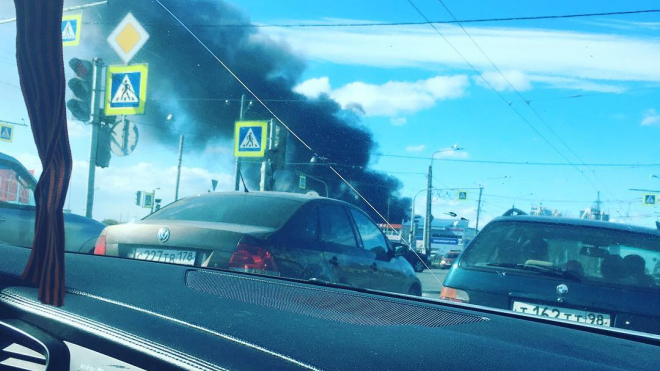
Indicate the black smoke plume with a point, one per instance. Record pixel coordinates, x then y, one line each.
188 81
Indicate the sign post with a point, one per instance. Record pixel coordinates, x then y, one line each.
250 138
649 199
462 195
128 38
124 137
71 29
126 90
6 132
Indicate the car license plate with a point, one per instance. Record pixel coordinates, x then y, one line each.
165 255
574 315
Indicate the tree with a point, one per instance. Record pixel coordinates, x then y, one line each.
109 222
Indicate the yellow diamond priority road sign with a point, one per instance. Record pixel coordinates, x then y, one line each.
127 38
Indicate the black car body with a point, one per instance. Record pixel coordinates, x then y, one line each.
598 273
17 211
283 234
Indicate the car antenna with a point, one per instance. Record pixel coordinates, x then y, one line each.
243 180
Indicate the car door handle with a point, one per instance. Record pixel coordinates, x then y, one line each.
334 261
374 267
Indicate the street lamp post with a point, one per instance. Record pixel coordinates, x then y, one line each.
411 235
429 186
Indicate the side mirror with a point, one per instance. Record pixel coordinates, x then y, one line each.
399 248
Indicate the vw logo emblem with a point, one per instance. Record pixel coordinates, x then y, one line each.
562 289
163 235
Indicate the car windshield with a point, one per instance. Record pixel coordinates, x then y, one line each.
366 144
602 257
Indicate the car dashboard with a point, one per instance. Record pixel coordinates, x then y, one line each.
153 316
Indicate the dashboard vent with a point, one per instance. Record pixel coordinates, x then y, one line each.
24 347
334 305
14 356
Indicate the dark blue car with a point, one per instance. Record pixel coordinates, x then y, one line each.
17 212
598 273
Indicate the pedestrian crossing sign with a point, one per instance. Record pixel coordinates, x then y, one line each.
250 138
71 29
462 195
650 199
126 90
148 200
6 132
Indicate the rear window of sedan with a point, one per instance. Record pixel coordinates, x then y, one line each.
602 256
270 212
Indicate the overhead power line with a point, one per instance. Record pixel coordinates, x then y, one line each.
530 163
508 104
389 24
526 101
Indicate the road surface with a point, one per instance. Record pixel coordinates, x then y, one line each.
430 285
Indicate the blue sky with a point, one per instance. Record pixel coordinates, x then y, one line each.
419 96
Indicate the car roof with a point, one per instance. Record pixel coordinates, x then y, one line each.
16 165
295 197
301 198
577 222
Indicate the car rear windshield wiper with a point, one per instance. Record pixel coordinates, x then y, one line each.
547 271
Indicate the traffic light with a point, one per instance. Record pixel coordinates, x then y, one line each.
278 152
138 198
103 141
81 86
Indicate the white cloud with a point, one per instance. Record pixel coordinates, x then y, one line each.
651 117
77 129
391 98
418 148
577 84
314 87
499 82
398 121
544 52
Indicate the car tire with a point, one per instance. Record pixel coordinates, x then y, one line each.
415 290
419 266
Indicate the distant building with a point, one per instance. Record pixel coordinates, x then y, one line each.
391 234
544 211
595 212
446 234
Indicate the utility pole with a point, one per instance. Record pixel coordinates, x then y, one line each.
237 176
265 184
388 207
178 171
97 78
427 220
481 189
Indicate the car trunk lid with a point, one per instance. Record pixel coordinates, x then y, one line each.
184 242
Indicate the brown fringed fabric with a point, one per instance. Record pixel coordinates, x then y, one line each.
41 71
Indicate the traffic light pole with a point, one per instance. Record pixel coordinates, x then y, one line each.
237 185
96 102
481 189
266 170
178 171
427 219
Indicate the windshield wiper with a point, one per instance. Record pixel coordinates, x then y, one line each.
546 271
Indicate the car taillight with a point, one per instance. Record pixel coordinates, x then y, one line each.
99 248
250 257
452 294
